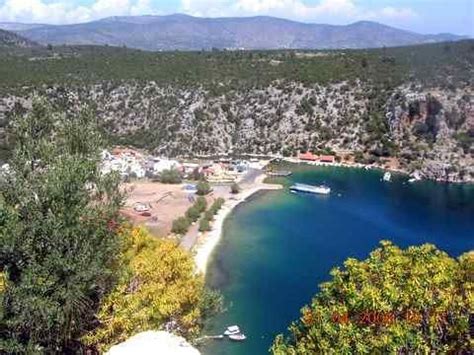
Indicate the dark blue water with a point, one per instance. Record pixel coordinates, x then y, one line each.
279 246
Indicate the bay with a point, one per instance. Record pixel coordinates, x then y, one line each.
277 247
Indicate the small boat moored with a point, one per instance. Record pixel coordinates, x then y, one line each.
232 330
387 176
321 189
237 337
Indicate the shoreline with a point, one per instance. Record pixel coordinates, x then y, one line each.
208 242
377 167
346 165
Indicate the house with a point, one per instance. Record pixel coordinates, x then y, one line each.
327 158
308 156
164 164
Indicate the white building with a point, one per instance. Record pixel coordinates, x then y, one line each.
160 165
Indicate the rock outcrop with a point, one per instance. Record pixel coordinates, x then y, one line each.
430 130
153 343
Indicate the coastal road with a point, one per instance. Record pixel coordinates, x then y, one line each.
190 238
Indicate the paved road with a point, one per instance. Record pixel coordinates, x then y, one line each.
190 238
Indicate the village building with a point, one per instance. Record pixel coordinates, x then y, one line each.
308 156
327 159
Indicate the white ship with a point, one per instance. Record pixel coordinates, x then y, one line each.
387 176
321 189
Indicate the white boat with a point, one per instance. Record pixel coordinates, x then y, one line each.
387 176
232 330
412 180
321 189
237 337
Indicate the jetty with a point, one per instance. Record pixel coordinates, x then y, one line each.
279 173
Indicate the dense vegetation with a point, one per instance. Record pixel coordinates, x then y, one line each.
171 176
445 63
181 224
413 301
73 278
157 287
208 217
57 235
412 103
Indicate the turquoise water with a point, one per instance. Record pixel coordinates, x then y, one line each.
279 246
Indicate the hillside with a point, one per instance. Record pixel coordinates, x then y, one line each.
411 103
12 40
182 32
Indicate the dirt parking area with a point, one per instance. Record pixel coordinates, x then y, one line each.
165 203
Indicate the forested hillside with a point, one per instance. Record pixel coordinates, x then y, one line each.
412 103
10 39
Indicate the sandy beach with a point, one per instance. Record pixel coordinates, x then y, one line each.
208 241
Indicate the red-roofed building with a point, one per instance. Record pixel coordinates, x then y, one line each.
307 156
327 158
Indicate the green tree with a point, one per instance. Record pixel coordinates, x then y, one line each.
234 188
412 301
57 231
171 176
203 188
201 204
193 213
216 205
180 225
204 225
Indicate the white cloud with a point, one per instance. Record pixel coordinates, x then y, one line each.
63 11
319 11
398 14
322 11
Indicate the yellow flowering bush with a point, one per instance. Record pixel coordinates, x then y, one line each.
158 287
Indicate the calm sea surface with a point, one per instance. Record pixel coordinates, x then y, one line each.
279 246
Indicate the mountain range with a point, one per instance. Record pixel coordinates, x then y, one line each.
183 32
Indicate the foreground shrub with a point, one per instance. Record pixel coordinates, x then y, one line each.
58 241
412 301
158 289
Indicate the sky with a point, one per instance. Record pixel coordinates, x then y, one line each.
423 16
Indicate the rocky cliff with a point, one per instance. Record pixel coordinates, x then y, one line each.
428 129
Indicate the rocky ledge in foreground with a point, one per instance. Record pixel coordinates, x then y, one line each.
154 342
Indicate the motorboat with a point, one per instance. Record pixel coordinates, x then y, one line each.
387 176
232 330
321 189
237 337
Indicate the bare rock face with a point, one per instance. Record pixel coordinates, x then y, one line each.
428 130
434 130
153 343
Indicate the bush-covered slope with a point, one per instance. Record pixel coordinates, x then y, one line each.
414 103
